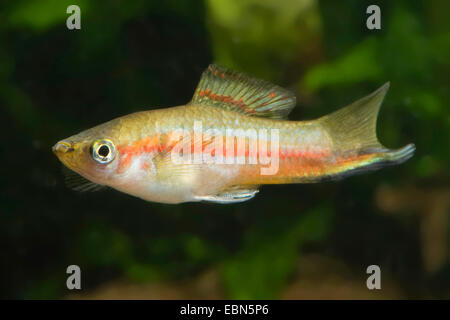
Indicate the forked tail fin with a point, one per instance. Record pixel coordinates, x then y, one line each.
353 131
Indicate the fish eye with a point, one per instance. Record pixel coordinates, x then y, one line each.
103 151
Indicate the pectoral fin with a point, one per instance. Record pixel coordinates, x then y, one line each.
169 171
76 182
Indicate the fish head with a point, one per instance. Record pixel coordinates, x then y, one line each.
92 153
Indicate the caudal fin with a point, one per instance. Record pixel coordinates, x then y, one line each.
353 131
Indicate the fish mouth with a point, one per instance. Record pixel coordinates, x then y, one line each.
62 147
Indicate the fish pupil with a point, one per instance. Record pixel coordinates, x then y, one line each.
103 151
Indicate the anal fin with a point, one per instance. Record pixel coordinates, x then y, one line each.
234 195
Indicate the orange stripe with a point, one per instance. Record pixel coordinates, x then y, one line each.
150 144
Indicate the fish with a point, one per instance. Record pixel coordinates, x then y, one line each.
232 138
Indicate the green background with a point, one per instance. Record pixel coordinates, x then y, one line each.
293 241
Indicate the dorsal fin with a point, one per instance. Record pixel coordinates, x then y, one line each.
223 88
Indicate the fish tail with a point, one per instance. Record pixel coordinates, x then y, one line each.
353 132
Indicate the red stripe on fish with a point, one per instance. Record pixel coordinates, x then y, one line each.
153 144
217 97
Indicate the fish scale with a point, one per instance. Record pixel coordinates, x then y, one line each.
140 153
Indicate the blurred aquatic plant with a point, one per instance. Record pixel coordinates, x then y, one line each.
263 37
41 15
363 57
405 55
270 252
